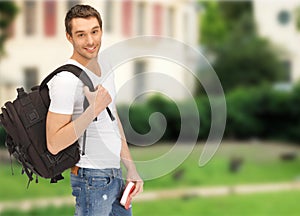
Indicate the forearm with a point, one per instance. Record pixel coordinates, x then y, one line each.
132 174
125 153
62 132
126 157
66 135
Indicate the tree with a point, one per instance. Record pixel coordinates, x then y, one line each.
241 57
8 11
246 59
219 19
231 11
212 28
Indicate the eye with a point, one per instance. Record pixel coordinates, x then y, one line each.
95 31
80 35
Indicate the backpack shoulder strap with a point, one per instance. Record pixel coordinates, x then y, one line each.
77 71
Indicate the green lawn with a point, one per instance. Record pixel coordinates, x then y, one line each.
273 204
284 203
261 164
14 187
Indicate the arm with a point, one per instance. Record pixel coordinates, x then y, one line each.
132 174
62 132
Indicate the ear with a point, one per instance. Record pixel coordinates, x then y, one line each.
69 37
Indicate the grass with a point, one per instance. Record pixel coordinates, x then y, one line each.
255 204
261 164
14 187
283 203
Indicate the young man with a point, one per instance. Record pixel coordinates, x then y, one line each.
97 179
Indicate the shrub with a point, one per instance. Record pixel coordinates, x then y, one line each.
262 112
174 113
243 107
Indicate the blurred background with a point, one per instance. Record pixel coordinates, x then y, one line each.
253 47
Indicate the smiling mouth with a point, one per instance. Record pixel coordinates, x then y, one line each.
90 49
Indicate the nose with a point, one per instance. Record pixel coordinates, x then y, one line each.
89 39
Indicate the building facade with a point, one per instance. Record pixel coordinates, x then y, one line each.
38 44
279 21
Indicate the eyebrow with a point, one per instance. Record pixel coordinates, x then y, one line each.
81 31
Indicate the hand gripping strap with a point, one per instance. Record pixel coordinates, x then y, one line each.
78 72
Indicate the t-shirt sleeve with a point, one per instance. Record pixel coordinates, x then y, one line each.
62 90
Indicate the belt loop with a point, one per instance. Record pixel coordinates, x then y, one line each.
119 173
82 172
116 172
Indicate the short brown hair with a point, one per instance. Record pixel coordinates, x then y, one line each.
81 11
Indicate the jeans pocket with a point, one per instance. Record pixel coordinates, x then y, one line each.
79 206
76 191
100 182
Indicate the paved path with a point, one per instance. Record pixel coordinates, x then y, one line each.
162 194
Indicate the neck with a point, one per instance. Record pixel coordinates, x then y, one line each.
94 67
91 64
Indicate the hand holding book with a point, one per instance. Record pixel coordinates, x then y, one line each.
126 197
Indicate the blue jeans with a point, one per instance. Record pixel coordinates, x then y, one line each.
98 192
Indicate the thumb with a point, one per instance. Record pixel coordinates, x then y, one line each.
86 90
89 95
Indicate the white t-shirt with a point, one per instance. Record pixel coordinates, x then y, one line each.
103 141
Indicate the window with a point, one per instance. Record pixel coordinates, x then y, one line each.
297 16
11 30
284 17
141 18
170 21
186 24
126 17
71 3
108 22
139 67
50 18
31 77
30 17
157 19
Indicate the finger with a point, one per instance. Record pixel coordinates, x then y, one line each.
103 91
98 87
138 189
87 93
86 90
134 193
91 96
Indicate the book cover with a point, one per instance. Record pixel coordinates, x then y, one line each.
126 199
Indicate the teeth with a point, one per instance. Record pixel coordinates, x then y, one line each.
90 48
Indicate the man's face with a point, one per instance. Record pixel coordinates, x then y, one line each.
86 39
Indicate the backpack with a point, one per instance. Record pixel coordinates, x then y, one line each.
24 121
